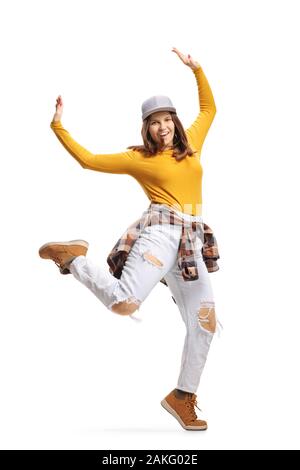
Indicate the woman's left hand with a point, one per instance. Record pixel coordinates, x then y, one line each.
186 59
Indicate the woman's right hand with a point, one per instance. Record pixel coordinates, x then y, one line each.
59 109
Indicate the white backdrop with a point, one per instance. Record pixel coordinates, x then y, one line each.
73 375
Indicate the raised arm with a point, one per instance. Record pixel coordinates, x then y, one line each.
108 163
196 133
121 163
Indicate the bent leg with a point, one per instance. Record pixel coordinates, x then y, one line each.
151 257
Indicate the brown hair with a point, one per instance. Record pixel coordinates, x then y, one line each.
180 144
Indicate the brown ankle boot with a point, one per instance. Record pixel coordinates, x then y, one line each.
181 406
63 253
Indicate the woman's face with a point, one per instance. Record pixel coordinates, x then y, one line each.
162 129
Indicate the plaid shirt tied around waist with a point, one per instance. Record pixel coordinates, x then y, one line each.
186 258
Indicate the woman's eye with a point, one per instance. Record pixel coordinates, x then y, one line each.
154 122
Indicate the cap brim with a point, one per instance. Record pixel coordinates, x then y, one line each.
167 108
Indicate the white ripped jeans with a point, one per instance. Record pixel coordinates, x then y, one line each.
141 273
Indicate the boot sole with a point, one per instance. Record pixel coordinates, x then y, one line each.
167 407
72 242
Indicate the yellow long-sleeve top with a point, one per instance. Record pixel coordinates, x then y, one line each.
164 180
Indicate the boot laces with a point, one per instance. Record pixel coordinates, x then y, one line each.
191 403
58 261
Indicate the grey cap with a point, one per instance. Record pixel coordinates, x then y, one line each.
156 103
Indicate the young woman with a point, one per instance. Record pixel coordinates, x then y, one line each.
166 243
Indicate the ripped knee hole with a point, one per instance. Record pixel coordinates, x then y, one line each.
125 307
207 317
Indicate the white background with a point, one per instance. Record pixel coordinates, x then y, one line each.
73 375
